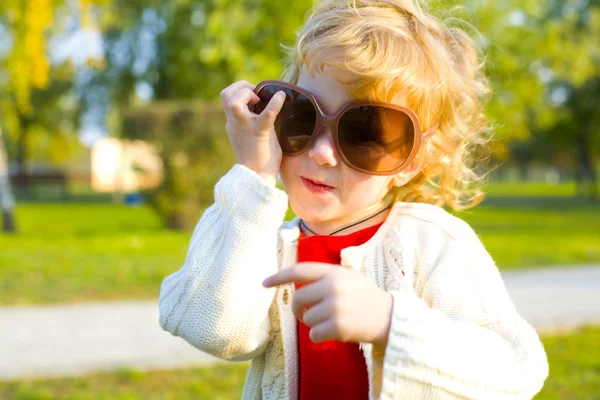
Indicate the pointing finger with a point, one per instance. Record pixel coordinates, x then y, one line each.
302 272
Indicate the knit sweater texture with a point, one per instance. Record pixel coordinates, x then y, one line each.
454 333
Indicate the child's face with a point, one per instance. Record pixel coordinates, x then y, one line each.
354 193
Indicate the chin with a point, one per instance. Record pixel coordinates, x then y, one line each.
309 211
305 205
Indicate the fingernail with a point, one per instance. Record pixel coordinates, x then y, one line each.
266 282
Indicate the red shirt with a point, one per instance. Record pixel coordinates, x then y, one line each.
330 369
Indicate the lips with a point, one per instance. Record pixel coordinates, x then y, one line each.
316 188
317 182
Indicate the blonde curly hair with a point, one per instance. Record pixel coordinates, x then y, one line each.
393 46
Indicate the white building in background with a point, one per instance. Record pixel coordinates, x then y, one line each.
124 166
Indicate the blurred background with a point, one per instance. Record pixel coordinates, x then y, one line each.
112 137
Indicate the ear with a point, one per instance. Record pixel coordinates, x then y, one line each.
403 177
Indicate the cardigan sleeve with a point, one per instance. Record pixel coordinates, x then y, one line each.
463 338
216 301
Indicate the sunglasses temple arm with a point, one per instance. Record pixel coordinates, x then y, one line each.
429 132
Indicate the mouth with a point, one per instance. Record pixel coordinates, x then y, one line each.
316 186
316 182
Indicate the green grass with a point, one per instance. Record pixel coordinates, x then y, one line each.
86 252
528 237
574 374
221 382
521 189
75 252
574 365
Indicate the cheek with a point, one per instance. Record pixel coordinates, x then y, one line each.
365 190
286 170
360 181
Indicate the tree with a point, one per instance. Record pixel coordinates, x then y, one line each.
194 153
182 51
578 132
189 50
33 91
6 199
541 56
26 66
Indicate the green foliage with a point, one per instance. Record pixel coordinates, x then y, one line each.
202 46
529 47
543 59
193 49
193 145
38 101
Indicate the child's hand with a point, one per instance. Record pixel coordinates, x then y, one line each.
344 305
252 136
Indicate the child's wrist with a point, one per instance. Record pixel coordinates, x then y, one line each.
267 176
270 179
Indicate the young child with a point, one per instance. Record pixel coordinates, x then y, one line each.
373 291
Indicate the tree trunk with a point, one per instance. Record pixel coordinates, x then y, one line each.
22 144
8 221
587 169
6 200
579 178
161 88
22 156
523 171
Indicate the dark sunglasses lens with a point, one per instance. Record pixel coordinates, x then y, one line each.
296 120
376 139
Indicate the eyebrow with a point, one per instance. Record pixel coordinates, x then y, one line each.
321 103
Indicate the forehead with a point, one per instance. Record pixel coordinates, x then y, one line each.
333 87
329 91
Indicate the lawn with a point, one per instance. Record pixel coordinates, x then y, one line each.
537 237
562 189
72 252
574 374
86 252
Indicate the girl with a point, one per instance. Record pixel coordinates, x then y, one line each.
373 291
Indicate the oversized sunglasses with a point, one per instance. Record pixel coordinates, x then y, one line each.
372 137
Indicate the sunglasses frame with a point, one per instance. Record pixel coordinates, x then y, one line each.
332 121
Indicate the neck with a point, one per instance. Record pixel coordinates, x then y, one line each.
368 217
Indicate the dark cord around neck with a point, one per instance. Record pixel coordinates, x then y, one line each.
349 226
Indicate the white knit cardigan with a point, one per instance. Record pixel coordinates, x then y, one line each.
455 333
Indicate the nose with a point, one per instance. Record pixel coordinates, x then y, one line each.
323 149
